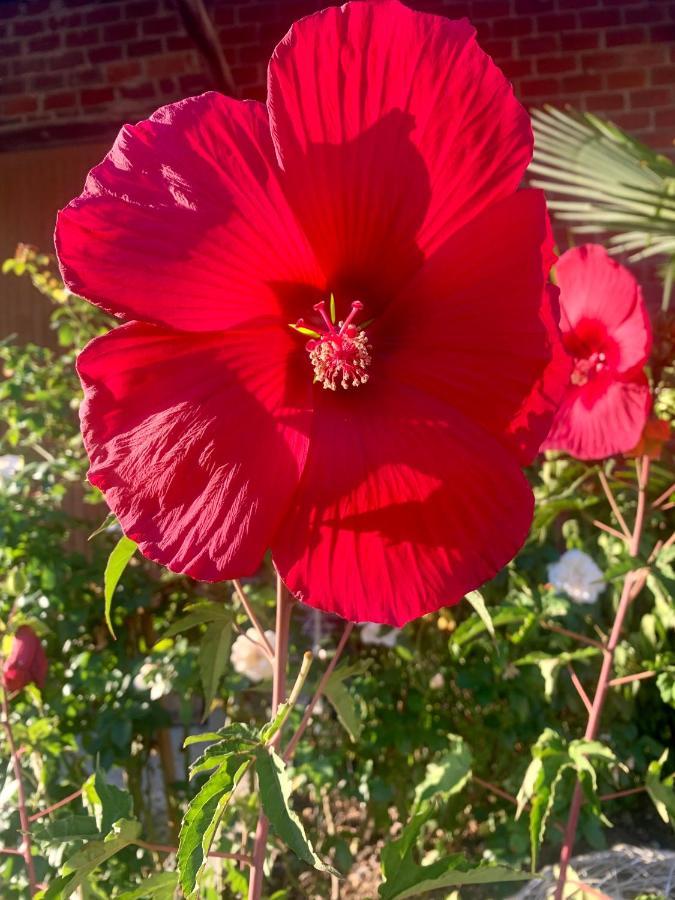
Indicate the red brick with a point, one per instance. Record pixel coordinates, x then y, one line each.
617 37
654 12
496 49
223 15
539 87
603 59
662 140
109 13
577 4
536 45
26 27
194 84
169 64
64 20
663 75
651 55
516 26
239 34
46 82
245 75
582 83
17 105
9 48
517 68
144 48
96 96
120 31
85 37
28 65
603 102
531 7
633 120
261 12
555 24
179 42
600 18
61 100
491 8
83 77
105 53
117 73
67 60
167 86
17 86
665 33
552 65
163 25
140 10
651 97
44 44
627 78
137 91
579 40
664 117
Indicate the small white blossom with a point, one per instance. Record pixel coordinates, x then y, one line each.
248 657
372 634
10 466
437 683
578 576
155 678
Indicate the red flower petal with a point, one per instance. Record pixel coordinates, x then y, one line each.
196 445
595 287
403 507
477 327
598 424
184 222
394 129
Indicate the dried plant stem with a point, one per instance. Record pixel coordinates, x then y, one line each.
573 634
632 584
26 849
304 722
664 496
280 663
612 502
580 689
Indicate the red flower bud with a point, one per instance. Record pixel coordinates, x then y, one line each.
26 662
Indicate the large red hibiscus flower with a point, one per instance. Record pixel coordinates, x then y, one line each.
605 329
379 459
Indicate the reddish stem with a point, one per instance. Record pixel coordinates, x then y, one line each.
284 607
616 795
26 849
167 848
495 790
626 679
631 585
57 805
293 743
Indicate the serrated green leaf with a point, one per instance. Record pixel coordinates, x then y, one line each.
106 801
202 613
160 886
76 869
202 818
275 791
117 563
446 873
73 828
342 701
234 730
446 776
217 753
214 656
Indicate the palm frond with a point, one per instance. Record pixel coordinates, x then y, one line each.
611 182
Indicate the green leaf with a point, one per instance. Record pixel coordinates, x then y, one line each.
73 828
117 563
446 776
474 625
109 520
201 613
161 885
214 656
203 815
238 739
108 803
661 791
76 870
275 791
475 598
403 877
342 701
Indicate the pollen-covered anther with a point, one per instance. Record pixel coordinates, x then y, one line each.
587 368
341 355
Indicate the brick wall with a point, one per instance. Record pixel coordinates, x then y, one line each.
72 70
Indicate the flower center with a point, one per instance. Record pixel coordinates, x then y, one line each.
340 353
586 368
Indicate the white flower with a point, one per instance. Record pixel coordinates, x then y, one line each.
437 683
577 575
151 676
370 634
10 465
248 657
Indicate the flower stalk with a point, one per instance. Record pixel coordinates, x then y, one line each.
26 846
632 585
